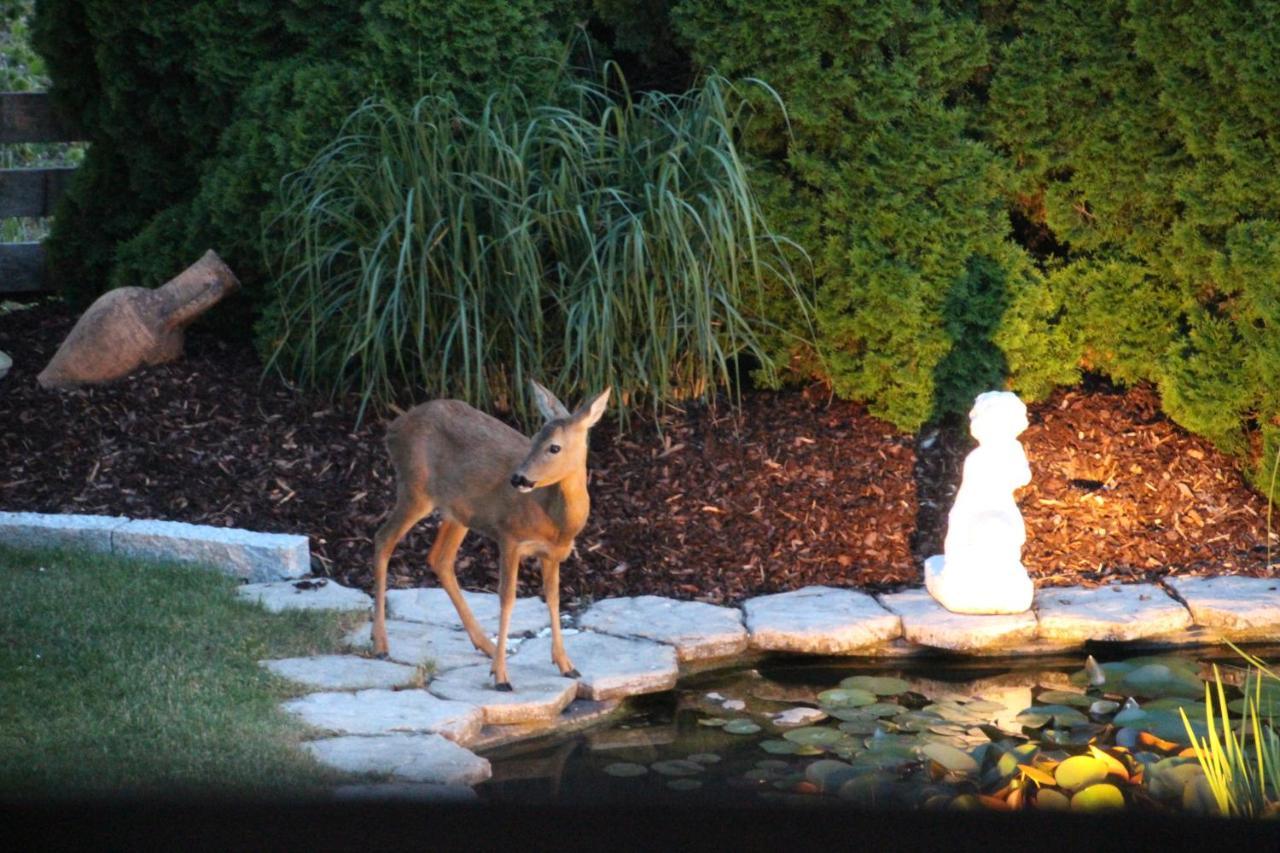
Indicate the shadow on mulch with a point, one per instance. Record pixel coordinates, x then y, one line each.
796 489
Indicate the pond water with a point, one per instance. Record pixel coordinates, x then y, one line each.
1002 735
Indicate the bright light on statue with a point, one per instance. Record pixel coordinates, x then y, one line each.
980 569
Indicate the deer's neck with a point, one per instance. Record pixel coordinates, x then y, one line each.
568 504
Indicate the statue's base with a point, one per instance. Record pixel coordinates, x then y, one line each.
978 592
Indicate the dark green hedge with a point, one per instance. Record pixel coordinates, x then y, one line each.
990 190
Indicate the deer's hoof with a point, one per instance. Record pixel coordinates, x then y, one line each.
572 673
503 686
381 655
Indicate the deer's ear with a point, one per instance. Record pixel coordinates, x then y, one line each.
550 407
591 413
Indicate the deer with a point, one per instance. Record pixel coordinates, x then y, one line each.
527 494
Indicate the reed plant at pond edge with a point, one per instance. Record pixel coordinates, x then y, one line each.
608 239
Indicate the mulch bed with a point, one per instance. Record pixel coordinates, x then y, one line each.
797 489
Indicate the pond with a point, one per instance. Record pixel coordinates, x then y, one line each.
973 734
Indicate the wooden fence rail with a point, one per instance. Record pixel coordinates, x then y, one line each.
29 117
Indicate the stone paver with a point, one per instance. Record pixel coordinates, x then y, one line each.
1117 612
698 631
380 712
539 691
343 672
241 553
928 623
1238 609
418 643
611 666
316 594
405 757
528 615
40 530
417 792
819 620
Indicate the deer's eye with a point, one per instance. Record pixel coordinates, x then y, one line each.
553 448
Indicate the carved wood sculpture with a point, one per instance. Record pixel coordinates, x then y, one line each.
130 327
528 495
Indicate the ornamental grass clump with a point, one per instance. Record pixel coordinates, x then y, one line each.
607 239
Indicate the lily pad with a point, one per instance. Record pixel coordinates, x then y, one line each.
1103 707
814 736
1052 800
1113 670
684 784
882 709
779 747
877 684
741 727
1157 680
1101 797
955 760
1079 771
860 726
705 758
1065 697
844 697
623 769
1061 716
712 721
676 767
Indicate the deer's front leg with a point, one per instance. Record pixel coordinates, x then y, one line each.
508 568
551 592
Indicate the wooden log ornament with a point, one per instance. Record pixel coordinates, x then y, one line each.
130 327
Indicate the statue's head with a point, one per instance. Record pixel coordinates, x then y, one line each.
997 416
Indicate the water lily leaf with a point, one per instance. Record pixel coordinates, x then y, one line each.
984 706
1157 680
676 767
684 784
955 760
712 721
1053 800
830 775
842 697
1113 671
860 726
916 721
1037 775
879 685
1101 797
1079 771
741 727
773 763
1006 765
1115 767
1033 718
1063 716
882 709
1198 797
624 769
779 747
705 758
1065 697
1103 707
814 736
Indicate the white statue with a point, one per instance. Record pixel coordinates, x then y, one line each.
980 569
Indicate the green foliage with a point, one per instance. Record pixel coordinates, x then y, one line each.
121 678
609 241
880 179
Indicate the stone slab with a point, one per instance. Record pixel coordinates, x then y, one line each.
317 594
413 792
246 554
41 530
1112 613
697 630
419 644
382 712
927 623
344 672
612 667
819 620
528 615
1239 609
404 757
539 691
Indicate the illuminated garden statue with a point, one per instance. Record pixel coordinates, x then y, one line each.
980 569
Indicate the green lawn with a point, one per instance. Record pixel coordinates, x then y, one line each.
120 677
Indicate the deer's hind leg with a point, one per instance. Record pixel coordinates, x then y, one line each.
444 551
410 508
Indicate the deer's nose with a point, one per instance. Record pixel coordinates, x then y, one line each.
519 481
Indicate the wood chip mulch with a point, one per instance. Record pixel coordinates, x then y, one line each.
797 489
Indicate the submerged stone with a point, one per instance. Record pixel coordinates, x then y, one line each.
819 620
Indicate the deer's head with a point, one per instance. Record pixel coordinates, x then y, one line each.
560 447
